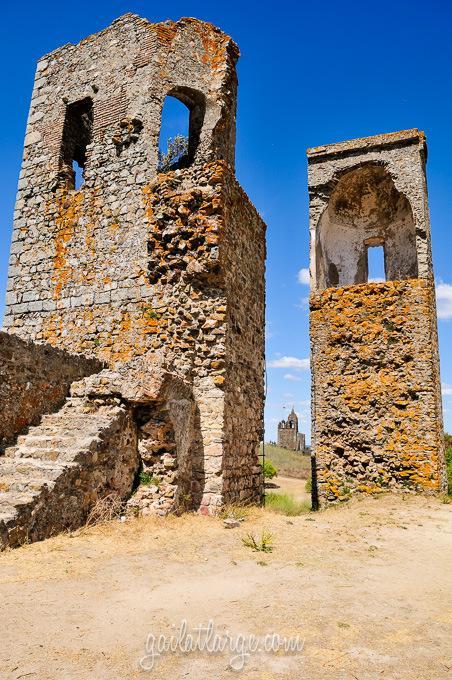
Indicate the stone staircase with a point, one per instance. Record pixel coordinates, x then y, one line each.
54 475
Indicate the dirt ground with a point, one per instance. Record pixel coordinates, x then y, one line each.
367 588
291 485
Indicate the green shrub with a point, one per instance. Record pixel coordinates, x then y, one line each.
148 479
285 504
449 470
308 485
177 152
269 470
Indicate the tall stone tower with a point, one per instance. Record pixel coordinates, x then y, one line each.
288 435
136 263
376 402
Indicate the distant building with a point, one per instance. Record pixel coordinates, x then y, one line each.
288 435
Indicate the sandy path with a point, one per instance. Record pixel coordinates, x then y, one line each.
291 485
368 587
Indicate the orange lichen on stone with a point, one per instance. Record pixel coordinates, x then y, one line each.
214 48
68 211
370 351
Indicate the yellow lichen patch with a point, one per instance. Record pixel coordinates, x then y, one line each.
376 423
68 211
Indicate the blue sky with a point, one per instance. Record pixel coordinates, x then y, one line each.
310 73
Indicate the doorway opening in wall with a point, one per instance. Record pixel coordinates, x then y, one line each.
376 263
174 135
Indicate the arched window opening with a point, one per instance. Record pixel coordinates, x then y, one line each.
182 119
366 232
77 134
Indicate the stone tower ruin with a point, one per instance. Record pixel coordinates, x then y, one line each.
376 401
157 277
288 435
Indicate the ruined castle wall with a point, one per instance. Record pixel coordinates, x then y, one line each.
34 379
376 404
242 255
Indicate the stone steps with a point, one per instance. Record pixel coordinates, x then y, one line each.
52 476
28 474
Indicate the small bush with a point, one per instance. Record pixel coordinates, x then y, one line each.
269 470
263 544
449 470
308 485
148 479
285 504
177 152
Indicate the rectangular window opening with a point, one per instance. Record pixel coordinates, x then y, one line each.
376 264
77 134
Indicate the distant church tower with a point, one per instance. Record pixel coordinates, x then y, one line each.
288 435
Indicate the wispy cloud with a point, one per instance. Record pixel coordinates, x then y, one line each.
446 390
303 276
303 304
291 376
290 362
444 300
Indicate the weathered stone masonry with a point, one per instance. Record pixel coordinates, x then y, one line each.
288 435
34 379
167 267
376 402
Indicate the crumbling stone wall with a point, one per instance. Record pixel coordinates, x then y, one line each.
34 379
169 437
136 262
376 402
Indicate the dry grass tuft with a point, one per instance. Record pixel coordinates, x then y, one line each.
105 510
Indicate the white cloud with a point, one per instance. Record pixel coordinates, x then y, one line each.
446 390
444 300
290 362
303 277
291 376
